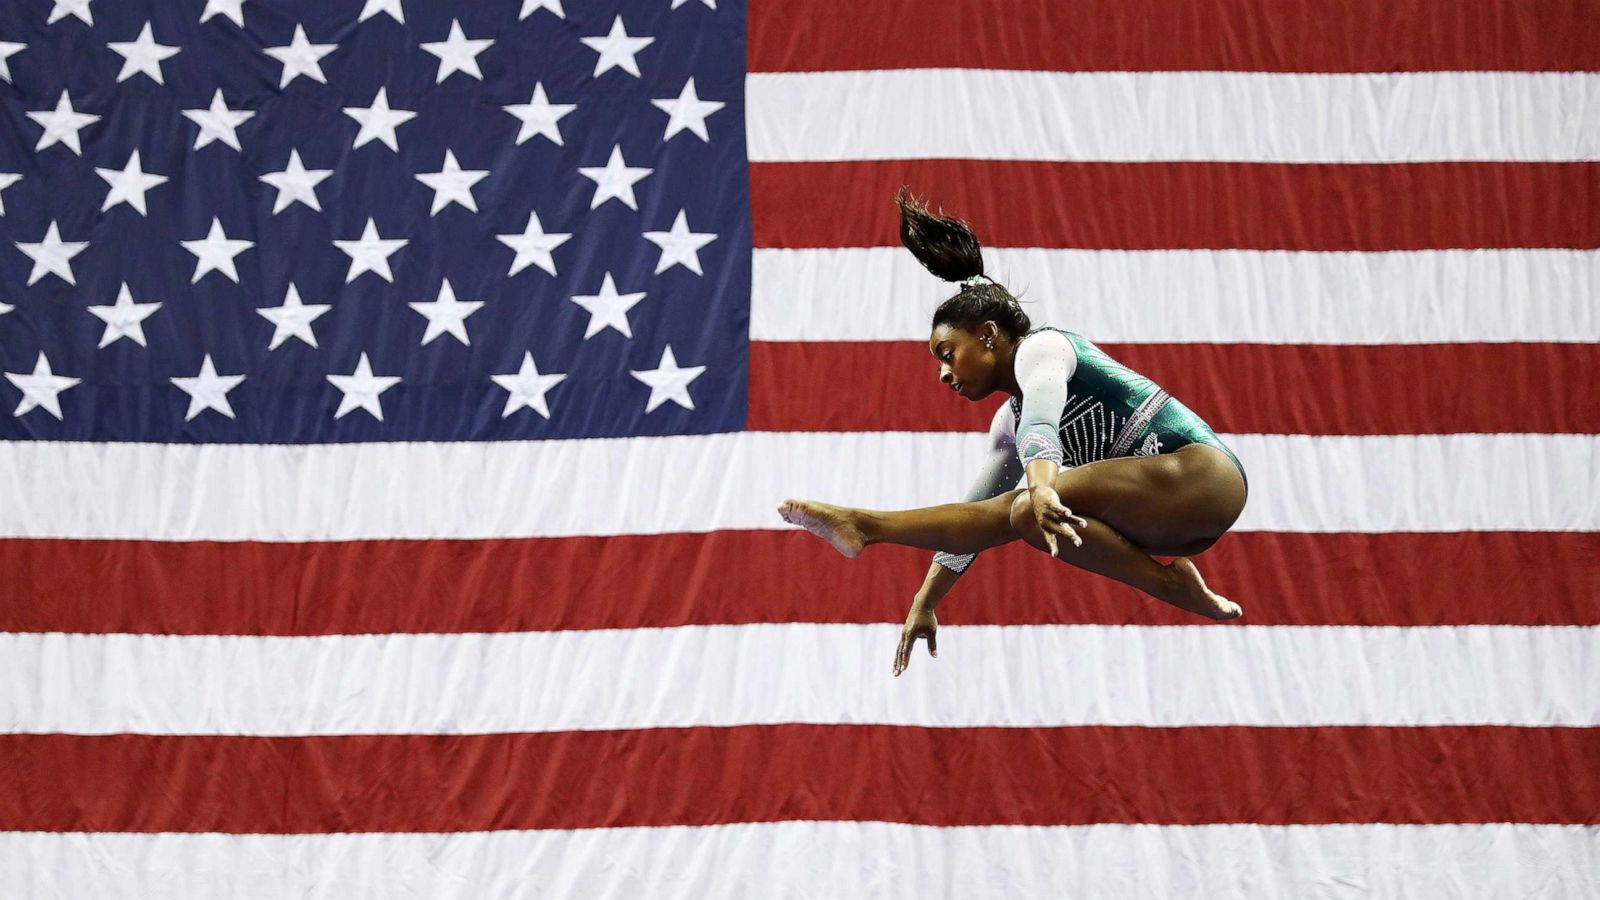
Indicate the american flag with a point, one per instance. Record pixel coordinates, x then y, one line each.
397 395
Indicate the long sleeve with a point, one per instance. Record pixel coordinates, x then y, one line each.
1045 362
1000 473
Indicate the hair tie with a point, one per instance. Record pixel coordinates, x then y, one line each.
975 280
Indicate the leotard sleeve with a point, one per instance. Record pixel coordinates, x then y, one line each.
1000 473
1045 362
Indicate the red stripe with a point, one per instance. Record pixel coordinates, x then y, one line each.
1318 389
1174 35
1150 206
376 587
708 776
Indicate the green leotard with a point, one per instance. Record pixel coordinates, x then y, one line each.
1113 411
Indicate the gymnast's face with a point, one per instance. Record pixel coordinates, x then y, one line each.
966 365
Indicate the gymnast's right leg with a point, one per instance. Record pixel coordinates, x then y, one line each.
973 527
1177 504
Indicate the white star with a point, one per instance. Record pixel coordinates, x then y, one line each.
215 252
617 49
456 53
64 8
678 3
7 179
128 185
5 308
52 255
233 9
452 184
62 125
680 245
527 388
42 388
300 57
361 389
293 319
614 179
539 116
530 6
208 390
378 121
688 112
296 183
608 309
8 49
668 382
447 314
142 54
218 122
533 246
370 253
373 7
125 319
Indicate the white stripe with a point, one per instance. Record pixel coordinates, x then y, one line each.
225 492
1148 116
999 676
1183 296
786 859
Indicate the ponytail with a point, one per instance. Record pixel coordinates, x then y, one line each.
947 247
943 244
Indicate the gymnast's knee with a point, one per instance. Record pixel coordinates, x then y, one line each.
1024 524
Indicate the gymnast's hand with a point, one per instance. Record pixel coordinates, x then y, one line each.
1053 517
919 623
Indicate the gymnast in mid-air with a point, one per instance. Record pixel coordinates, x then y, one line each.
1116 468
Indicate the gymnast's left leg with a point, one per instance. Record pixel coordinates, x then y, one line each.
1174 504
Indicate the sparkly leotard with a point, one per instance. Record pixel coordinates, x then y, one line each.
1078 406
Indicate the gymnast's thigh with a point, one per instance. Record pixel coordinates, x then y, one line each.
1174 500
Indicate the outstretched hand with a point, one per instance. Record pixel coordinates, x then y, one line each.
1054 518
920 622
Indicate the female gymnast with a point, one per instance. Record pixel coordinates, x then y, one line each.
1113 463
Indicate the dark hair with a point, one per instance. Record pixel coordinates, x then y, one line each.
947 247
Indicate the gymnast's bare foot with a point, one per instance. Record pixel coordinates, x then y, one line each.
834 524
1194 596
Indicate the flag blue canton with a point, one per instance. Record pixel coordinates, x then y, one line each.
224 358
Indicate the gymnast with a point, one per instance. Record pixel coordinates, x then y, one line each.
1115 465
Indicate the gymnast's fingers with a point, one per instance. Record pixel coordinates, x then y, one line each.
1063 529
1050 541
1082 522
901 653
1059 513
933 644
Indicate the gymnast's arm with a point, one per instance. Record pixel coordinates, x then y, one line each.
1045 362
1000 473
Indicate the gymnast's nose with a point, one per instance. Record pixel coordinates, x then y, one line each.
945 375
